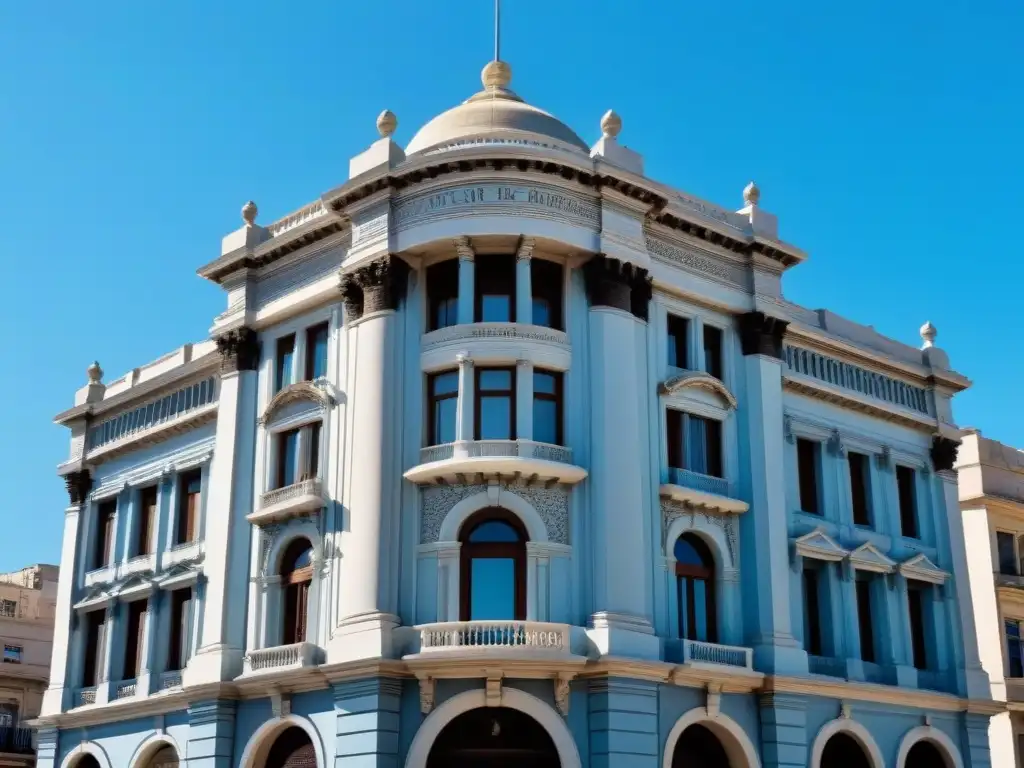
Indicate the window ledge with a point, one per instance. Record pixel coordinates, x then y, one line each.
702 492
540 461
293 500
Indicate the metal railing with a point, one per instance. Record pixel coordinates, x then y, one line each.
698 482
697 651
126 689
531 635
170 679
86 695
16 740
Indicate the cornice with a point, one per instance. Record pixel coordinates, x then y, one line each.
805 385
880 694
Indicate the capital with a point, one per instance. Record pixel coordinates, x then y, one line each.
239 350
619 285
761 334
78 484
373 287
944 453
464 248
525 250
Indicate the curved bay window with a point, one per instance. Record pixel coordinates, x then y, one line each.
547 407
493 572
695 589
443 294
546 278
296 578
495 404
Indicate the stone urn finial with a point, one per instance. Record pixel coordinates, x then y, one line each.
386 123
611 124
496 74
928 334
249 211
751 194
95 373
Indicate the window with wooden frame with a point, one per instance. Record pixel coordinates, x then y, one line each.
493 566
678 341
547 407
808 454
103 545
443 294
495 295
316 351
713 353
865 620
905 486
95 638
495 404
296 578
284 358
916 600
443 397
694 443
1014 648
297 455
190 486
134 647
860 488
695 589
147 518
181 604
546 279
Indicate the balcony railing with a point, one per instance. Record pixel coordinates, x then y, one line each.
15 740
289 492
293 500
698 482
86 695
698 652
826 665
526 449
126 689
282 657
170 680
536 636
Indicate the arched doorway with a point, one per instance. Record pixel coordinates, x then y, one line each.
695 589
493 567
698 747
296 577
164 757
844 751
924 754
88 761
493 737
292 749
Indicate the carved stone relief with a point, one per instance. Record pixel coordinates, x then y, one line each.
672 510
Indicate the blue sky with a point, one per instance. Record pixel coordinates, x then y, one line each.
885 136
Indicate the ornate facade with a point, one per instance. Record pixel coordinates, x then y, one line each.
502 452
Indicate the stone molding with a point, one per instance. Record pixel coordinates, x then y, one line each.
300 391
374 287
618 285
762 334
239 350
551 504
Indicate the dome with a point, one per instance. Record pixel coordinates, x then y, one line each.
495 113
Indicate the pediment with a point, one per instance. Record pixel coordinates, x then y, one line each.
920 568
131 586
818 545
94 598
698 380
867 557
180 574
295 395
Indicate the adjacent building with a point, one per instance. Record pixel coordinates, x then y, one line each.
503 452
28 600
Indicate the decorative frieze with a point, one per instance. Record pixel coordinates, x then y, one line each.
374 287
78 484
239 350
694 261
762 334
944 453
613 283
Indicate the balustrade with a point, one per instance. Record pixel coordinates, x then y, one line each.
696 651
525 635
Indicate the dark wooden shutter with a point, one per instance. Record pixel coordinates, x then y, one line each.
675 438
147 516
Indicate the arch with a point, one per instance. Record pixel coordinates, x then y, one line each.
294 393
258 747
695 580
938 738
150 746
740 749
296 529
74 757
713 535
545 714
854 730
493 497
699 380
492 535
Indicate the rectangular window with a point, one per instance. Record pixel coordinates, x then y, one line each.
713 362
287 458
443 391
312 470
95 637
694 443
1007 553
189 495
1014 648
915 601
9 609
495 288
177 647
316 352
547 407
283 362
546 281
859 490
12 654
134 644
908 501
147 519
678 333
103 551
807 469
495 404
812 611
864 619
443 294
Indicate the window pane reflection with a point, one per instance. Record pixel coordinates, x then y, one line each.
493 588
545 421
495 418
495 309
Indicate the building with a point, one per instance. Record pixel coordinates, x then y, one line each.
28 599
503 452
991 478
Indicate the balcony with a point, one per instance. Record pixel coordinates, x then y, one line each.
126 689
496 341
293 500
702 654
85 696
170 680
282 658
714 494
16 741
483 639
537 461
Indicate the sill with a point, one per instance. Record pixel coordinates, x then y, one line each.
534 461
295 500
183 553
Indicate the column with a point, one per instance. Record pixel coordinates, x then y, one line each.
524 288
621 621
524 400
163 520
764 531
623 723
372 294
696 361
144 685
367 722
228 492
783 731
127 507
467 281
464 409
105 674
211 730
78 485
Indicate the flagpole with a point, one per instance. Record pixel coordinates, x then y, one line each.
497 30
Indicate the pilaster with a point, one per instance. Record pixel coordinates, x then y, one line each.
977 750
144 686
623 723
783 731
464 413
367 722
210 733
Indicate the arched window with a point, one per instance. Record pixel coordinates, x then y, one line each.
292 749
87 761
924 754
493 574
844 751
695 589
296 577
698 747
164 757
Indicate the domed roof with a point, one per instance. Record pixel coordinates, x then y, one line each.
498 113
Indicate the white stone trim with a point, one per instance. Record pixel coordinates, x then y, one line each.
699 380
853 729
493 497
938 738
545 715
713 535
149 747
868 557
921 568
256 749
738 747
72 758
818 545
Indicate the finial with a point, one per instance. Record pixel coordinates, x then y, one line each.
386 123
249 211
497 74
751 194
611 124
95 373
928 334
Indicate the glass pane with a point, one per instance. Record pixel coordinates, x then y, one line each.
289 445
492 588
545 421
495 418
444 421
686 553
447 311
544 383
446 383
684 607
1013 630
303 559
494 530
541 312
491 379
495 308
697 458
700 609
1007 558
319 354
